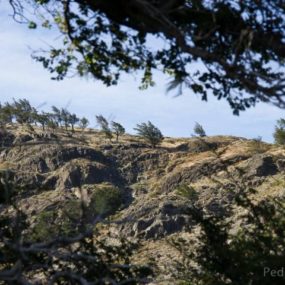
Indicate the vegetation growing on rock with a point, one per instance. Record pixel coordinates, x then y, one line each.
162 199
279 133
106 200
199 130
150 133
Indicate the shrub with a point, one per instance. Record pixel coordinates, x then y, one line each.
83 123
279 134
53 223
84 258
187 192
199 130
106 200
150 133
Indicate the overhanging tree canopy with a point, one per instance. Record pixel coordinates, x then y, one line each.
239 45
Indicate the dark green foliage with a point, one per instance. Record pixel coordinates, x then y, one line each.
45 226
51 125
83 123
226 257
199 130
66 220
73 119
279 134
150 133
43 119
66 256
57 115
187 192
104 125
107 132
6 138
235 40
243 257
65 116
118 129
6 114
247 248
106 200
102 121
7 191
23 111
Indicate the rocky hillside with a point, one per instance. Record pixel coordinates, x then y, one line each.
145 193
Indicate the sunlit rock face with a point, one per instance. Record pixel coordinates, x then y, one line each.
158 187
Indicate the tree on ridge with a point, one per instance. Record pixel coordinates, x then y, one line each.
150 133
118 129
279 133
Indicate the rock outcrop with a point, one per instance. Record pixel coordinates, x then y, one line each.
215 169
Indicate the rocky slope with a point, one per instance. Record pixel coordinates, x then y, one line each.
53 171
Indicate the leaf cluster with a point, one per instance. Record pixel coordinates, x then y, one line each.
240 44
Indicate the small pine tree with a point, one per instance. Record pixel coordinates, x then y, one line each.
118 129
279 133
199 130
150 133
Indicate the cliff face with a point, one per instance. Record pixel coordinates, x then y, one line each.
156 187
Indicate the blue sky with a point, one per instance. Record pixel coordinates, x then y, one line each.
21 77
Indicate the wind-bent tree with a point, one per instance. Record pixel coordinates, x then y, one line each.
6 114
83 123
51 124
65 115
57 115
73 119
23 111
279 133
43 119
232 49
102 121
150 133
199 130
104 125
118 129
